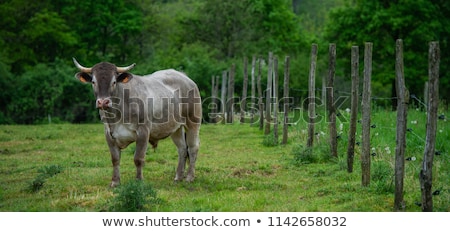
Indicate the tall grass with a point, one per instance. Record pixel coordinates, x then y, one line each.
235 171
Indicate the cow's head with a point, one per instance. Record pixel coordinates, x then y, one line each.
104 76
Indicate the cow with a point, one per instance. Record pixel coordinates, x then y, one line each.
146 109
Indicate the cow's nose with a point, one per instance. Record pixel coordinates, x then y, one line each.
103 103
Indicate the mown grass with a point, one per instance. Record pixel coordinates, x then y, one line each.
235 171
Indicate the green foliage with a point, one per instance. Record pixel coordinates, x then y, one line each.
201 38
236 28
135 196
383 22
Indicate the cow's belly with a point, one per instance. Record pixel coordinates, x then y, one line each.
162 131
123 135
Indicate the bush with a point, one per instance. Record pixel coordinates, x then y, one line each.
135 196
302 155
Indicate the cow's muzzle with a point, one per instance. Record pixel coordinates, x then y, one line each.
104 103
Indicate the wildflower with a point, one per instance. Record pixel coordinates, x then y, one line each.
414 122
347 110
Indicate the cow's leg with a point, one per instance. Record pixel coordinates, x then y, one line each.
193 143
180 142
141 149
115 159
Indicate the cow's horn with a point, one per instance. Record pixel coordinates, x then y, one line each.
125 69
81 68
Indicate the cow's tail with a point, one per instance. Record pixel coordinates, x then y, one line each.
185 142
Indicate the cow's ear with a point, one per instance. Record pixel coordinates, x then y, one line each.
124 77
84 77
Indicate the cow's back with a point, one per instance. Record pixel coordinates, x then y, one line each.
183 92
174 80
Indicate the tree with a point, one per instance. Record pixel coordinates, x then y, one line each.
49 37
236 28
417 22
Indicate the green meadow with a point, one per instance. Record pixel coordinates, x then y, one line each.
67 167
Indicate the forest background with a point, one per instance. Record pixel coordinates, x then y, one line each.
202 38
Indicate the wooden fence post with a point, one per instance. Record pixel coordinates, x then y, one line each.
260 99
312 96
366 110
213 100
230 100
252 112
223 96
330 100
244 92
354 108
402 112
425 176
425 94
286 100
275 104
269 94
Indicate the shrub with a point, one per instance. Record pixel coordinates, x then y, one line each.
302 155
134 196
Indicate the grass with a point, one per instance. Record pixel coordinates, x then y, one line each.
235 170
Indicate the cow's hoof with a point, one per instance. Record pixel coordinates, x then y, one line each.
114 184
178 178
190 178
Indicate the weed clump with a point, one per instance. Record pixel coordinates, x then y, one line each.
135 196
270 141
383 177
307 155
44 173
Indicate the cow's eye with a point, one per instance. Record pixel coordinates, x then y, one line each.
93 82
114 83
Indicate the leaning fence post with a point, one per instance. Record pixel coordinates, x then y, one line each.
312 96
330 100
354 108
425 176
366 104
402 112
